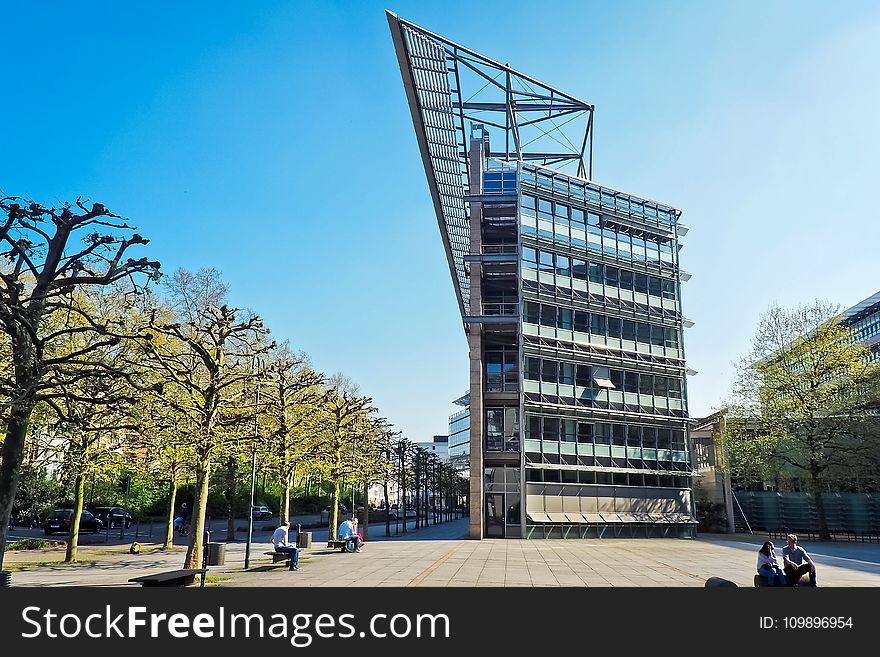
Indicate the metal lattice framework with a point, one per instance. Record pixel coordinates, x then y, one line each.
448 87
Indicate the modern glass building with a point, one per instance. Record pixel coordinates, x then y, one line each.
460 436
864 318
569 293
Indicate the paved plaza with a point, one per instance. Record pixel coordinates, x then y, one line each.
442 556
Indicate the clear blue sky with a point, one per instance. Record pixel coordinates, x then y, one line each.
272 140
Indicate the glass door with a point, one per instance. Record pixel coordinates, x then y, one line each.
495 515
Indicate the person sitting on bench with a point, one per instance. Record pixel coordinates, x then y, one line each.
279 540
796 562
768 565
348 532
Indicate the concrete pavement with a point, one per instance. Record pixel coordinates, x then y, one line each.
442 556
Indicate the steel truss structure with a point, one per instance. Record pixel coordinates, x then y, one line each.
447 87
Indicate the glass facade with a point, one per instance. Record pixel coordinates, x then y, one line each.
864 319
460 436
605 443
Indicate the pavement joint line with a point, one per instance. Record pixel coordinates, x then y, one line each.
430 569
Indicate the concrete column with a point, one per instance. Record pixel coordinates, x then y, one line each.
475 342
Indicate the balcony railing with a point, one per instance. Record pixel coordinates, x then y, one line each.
501 308
499 248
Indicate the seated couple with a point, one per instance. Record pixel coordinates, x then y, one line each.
796 564
348 531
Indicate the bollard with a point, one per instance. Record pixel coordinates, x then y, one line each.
206 540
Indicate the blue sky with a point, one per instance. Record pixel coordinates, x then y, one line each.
272 140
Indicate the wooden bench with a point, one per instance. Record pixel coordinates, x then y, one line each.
278 557
339 543
171 578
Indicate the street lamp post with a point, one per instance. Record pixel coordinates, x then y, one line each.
250 535
353 474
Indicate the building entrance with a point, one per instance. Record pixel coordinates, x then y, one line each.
502 512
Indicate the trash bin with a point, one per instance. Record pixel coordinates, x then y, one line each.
719 582
304 539
216 554
6 578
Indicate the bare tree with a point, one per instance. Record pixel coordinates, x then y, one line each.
49 254
342 411
292 392
207 355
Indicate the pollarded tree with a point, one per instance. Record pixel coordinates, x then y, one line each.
371 438
382 463
291 393
92 404
805 398
341 413
160 446
207 356
48 254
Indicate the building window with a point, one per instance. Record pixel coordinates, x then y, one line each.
533 368
502 370
564 319
584 432
602 377
548 371
583 377
566 374
531 312
502 429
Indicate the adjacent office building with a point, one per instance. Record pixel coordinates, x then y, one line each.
569 293
439 447
864 319
460 436
845 510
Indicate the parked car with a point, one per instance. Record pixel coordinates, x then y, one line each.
59 522
261 513
395 512
113 516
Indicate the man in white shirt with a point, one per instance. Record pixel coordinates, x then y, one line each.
279 540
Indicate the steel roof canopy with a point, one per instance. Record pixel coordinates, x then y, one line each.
448 85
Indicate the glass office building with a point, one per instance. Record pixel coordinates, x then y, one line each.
864 318
460 437
569 293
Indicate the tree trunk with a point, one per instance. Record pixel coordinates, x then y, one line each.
172 498
387 508
334 510
401 508
417 489
73 539
11 454
366 515
820 507
284 507
197 525
230 498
